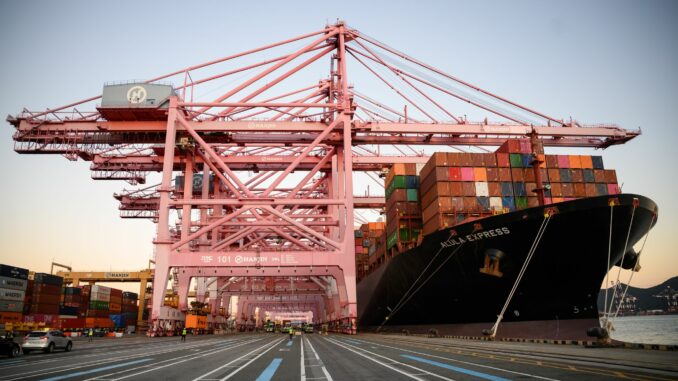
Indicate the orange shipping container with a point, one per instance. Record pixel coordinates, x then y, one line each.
586 162
91 322
480 174
10 317
196 321
575 161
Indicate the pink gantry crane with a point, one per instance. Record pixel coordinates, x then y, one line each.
257 180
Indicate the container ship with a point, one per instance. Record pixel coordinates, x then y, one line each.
510 244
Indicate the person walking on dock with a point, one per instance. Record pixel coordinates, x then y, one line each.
183 334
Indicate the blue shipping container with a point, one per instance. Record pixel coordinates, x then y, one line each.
519 189
597 162
565 176
506 189
118 320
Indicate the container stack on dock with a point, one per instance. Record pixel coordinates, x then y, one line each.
13 284
130 308
403 209
46 294
99 307
370 246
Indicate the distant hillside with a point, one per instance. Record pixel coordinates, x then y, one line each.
646 300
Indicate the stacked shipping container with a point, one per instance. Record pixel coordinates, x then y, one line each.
456 186
13 284
403 209
370 245
46 294
99 307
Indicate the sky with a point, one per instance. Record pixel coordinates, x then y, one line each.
597 62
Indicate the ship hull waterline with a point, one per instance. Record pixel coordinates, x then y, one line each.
557 296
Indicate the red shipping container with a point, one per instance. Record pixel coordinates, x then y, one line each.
489 160
505 174
477 160
528 174
554 175
454 174
495 189
532 202
577 176
551 161
469 188
466 160
492 174
599 175
454 159
41 318
567 189
580 190
613 189
456 189
610 176
591 190
503 160
517 175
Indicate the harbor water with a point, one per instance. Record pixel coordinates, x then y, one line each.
649 329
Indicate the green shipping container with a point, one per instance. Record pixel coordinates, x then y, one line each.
516 160
405 234
399 182
392 240
521 202
412 195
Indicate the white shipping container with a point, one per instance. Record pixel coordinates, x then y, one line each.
9 294
495 203
482 189
419 167
100 297
169 313
101 289
13 283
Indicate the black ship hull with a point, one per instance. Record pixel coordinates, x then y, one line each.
472 268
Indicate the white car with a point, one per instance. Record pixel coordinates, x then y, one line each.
46 341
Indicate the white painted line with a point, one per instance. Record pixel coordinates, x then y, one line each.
325 372
173 361
390 361
303 365
239 359
468 363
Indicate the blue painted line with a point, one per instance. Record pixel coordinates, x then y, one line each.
268 373
456 369
95 370
354 342
289 343
11 362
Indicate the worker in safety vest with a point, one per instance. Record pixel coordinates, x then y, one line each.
291 332
183 334
90 334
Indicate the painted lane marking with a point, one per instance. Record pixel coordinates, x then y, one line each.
76 374
289 343
228 365
374 356
325 372
268 373
354 342
456 368
302 361
12 362
468 362
172 362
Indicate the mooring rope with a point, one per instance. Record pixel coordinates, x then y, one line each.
533 249
621 263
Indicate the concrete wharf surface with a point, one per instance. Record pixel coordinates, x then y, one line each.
273 356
